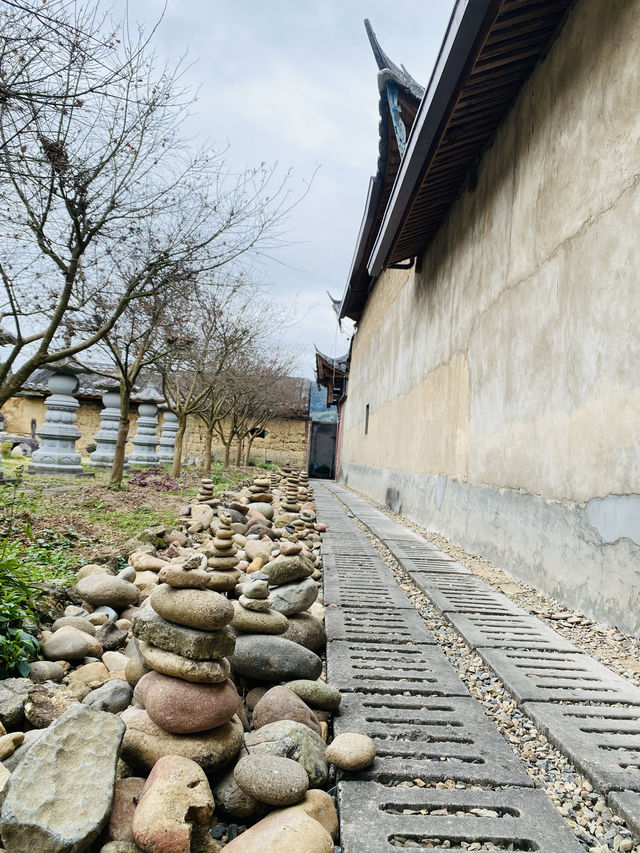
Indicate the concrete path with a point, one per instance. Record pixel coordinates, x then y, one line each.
400 689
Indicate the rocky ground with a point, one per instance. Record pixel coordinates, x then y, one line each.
180 703
586 811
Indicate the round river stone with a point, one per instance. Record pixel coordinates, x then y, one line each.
196 608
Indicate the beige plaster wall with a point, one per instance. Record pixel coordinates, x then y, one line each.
286 441
512 359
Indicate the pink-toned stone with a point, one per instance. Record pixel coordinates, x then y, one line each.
146 562
184 707
174 808
126 792
280 703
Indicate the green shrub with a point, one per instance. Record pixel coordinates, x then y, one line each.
5 449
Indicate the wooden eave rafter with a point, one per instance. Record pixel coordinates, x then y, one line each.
503 47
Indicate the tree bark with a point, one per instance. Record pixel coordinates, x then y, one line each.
177 449
239 453
117 469
248 450
208 440
227 453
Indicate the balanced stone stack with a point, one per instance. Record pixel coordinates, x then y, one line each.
205 493
290 502
189 701
304 489
253 612
260 491
222 552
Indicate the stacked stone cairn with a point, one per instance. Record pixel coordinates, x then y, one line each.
146 668
290 502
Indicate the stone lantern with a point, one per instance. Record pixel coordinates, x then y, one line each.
58 434
145 440
106 438
168 436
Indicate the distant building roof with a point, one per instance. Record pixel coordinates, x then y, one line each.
297 389
331 374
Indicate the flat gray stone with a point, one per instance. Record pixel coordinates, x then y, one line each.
392 668
392 625
60 795
507 632
272 658
603 742
13 694
290 598
114 696
550 676
192 643
377 819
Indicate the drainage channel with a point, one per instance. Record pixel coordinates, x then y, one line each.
571 686
469 789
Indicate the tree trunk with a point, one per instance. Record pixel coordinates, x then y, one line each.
248 450
227 453
177 449
208 440
117 469
239 453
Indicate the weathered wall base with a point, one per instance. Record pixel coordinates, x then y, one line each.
561 548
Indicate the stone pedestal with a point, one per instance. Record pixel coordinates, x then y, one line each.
146 439
102 456
58 433
168 437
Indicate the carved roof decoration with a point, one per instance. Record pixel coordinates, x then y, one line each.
400 97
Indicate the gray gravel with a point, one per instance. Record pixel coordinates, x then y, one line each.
586 811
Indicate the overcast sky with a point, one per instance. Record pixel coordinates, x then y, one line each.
294 81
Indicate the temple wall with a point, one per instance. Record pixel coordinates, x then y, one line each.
502 380
286 440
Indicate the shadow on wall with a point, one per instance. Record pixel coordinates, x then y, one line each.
392 500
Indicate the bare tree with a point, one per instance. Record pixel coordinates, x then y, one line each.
101 200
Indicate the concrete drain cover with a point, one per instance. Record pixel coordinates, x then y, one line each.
541 676
376 819
602 741
347 589
394 625
430 738
464 594
627 804
388 668
504 632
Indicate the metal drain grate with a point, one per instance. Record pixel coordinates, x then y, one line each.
504 632
391 626
602 741
376 819
430 738
538 676
465 594
391 669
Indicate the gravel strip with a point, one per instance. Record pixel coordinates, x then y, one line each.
586 811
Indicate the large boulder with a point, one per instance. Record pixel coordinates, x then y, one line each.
107 589
144 743
149 626
174 808
59 797
269 658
